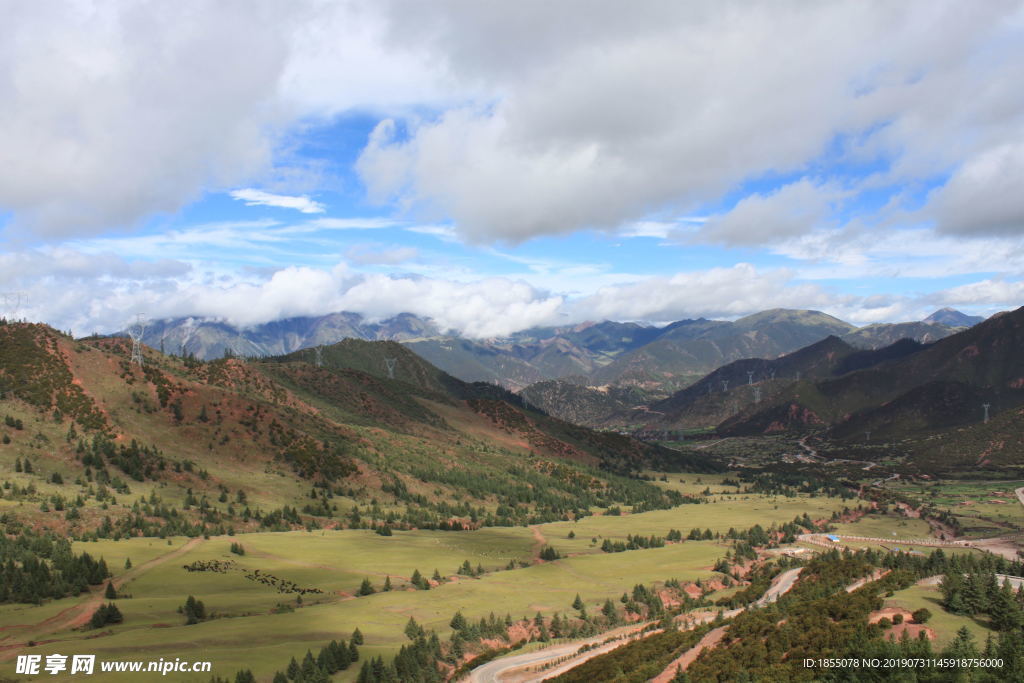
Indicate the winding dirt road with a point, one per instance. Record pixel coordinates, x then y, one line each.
517 668
78 615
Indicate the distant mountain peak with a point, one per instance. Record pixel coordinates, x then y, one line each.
953 318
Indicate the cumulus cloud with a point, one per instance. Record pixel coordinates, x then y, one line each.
111 112
253 197
786 212
601 113
540 119
983 196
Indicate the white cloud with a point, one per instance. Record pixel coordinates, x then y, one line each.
993 294
253 197
351 223
983 197
788 211
111 112
369 254
601 113
509 119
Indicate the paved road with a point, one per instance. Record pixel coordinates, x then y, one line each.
510 668
502 669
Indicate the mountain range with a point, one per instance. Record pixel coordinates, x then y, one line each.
369 422
650 358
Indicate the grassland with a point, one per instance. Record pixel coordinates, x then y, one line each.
886 526
942 622
982 508
248 631
259 628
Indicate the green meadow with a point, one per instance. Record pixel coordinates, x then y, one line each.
942 622
257 627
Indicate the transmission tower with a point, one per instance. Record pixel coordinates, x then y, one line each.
797 375
10 304
390 364
771 373
986 406
319 351
135 331
757 394
725 385
750 377
867 435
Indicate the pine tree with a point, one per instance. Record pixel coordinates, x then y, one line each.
387 584
458 622
110 593
412 629
366 588
357 637
577 604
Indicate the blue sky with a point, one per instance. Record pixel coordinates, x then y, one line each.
497 169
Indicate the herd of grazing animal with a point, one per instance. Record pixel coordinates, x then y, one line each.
222 567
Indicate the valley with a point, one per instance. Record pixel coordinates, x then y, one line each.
357 514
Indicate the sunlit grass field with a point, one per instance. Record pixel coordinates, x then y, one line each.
256 627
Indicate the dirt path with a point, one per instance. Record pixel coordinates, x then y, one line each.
709 445
539 541
78 615
710 640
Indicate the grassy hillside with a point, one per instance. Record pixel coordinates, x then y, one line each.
283 443
916 395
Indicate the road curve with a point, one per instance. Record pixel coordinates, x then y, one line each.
504 669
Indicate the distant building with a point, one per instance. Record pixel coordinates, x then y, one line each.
832 537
